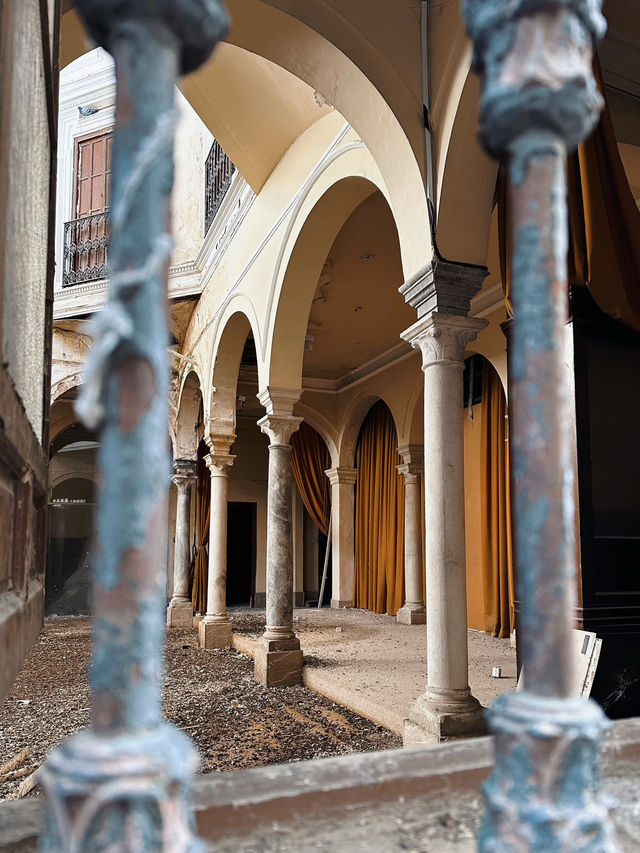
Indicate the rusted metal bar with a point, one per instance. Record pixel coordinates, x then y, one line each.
122 786
539 100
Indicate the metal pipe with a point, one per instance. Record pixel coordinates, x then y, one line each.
539 100
123 785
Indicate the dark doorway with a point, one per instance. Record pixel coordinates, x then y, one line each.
241 554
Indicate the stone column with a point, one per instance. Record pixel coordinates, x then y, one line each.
278 660
180 609
343 556
413 610
214 630
447 708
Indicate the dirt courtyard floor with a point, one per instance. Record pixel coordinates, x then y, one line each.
209 694
353 660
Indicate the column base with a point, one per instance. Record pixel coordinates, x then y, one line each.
412 614
336 604
278 663
442 716
214 634
179 613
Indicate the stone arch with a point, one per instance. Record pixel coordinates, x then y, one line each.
185 442
233 329
71 475
354 418
66 384
391 126
311 233
468 185
323 427
413 422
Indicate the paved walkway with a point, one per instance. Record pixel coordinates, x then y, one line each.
376 667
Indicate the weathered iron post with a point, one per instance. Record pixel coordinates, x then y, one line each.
539 100
123 785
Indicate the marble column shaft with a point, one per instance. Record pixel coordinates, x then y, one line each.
343 482
179 612
278 661
214 630
447 708
413 610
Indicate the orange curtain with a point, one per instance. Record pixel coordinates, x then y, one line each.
379 515
309 461
497 565
200 562
604 225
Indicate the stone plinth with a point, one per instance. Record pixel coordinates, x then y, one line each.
214 633
278 663
179 614
437 718
412 614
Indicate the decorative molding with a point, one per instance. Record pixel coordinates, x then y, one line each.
443 339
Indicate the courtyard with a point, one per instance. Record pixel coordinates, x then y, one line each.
361 672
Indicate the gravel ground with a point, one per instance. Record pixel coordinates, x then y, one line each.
211 695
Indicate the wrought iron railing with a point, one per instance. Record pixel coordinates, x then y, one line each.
86 249
218 173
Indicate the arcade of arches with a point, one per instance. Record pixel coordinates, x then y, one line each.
320 417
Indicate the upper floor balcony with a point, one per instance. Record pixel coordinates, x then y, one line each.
86 249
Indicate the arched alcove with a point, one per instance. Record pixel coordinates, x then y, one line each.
379 539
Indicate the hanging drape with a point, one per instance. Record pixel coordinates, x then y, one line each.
604 224
200 562
309 460
487 510
497 566
379 580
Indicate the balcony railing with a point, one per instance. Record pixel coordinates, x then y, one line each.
218 173
86 249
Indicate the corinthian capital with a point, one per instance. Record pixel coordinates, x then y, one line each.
279 428
442 339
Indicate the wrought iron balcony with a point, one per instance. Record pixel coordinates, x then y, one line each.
86 249
218 173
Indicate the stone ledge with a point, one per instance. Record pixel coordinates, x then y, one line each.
311 799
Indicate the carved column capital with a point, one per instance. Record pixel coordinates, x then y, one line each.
445 287
184 474
442 339
411 472
219 463
342 476
279 428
